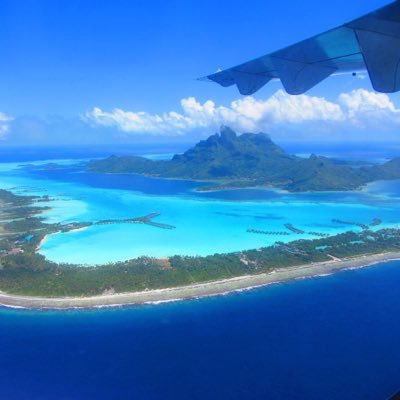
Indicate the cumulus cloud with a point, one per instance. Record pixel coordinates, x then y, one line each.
358 108
364 108
4 124
141 122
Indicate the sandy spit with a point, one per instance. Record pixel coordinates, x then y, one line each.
198 290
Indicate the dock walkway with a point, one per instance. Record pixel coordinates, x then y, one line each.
146 219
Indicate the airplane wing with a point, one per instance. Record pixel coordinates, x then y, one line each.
371 42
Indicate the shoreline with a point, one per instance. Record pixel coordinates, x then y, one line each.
41 243
199 290
219 184
45 237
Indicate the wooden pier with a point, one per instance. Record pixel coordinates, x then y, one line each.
293 229
340 221
267 232
146 219
319 234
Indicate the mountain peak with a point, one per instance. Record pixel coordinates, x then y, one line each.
251 160
227 134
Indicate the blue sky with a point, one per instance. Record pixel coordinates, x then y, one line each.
64 59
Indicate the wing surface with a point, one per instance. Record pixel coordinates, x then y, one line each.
371 43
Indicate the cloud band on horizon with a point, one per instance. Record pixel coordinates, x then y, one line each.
355 115
360 109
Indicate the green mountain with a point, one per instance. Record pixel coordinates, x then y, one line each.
251 160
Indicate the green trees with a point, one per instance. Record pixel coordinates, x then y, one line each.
30 273
24 271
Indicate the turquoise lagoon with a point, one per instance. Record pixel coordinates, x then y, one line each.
206 223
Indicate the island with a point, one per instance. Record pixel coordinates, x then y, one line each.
227 161
28 279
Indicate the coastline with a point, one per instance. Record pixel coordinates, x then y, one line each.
206 289
45 237
220 186
41 243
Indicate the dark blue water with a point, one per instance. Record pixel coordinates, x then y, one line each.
332 338
78 174
153 186
157 186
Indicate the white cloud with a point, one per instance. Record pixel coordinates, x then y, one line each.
4 124
359 108
139 122
364 108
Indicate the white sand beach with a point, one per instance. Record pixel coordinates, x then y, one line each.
198 290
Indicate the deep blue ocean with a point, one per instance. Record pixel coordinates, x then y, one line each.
333 338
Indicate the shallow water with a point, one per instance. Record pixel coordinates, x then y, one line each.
206 223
